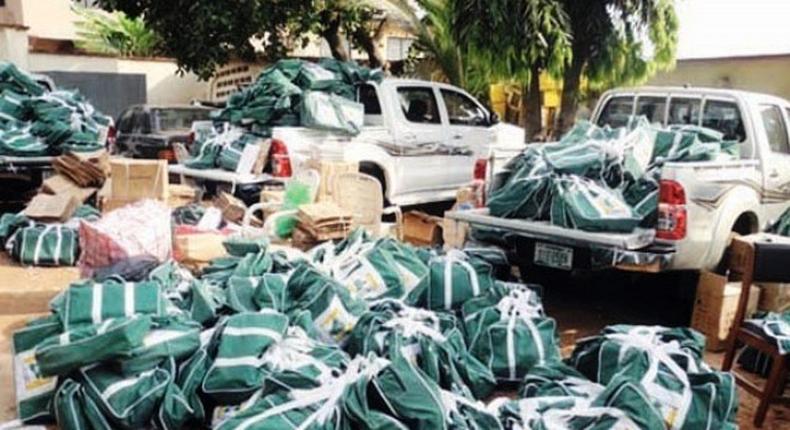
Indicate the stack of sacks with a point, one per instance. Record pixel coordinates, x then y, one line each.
599 178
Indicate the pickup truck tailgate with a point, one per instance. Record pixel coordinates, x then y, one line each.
638 239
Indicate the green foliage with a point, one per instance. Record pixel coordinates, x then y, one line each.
623 42
205 34
515 36
115 34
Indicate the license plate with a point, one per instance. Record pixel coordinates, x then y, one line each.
554 256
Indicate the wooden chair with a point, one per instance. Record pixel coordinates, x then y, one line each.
362 195
742 264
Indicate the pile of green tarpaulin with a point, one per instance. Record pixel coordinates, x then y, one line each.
35 121
782 225
346 336
599 178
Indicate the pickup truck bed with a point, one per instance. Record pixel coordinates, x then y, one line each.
639 238
635 251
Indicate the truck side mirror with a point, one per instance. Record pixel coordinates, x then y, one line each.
493 119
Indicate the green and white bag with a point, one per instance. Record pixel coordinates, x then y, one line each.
169 337
300 362
668 365
128 402
68 406
113 338
34 391
371 393
334 311
452 280
235 371
271 292
205 300
512 336
88 302
45 245
429 340
583 204
370 274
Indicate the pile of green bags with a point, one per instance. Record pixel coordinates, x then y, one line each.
667 364
268 339
35 121
296 92
600 178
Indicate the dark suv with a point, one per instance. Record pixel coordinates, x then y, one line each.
149 131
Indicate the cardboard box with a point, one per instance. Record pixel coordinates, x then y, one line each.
139 179
51 208
455 233
62 185
181 195
193 246
422 229
774 297
715 307
233 209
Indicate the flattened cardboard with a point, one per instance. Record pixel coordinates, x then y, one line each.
48 207
62 185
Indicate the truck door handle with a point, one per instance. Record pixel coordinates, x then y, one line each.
774 174
458 136
410 136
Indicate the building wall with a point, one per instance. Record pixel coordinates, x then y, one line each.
761 74
11 13
13 44
163 85
52 19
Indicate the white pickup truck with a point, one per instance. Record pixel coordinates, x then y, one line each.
701 204
423 140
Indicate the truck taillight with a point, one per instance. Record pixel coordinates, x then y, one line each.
281 162
481 166
672 215
112 134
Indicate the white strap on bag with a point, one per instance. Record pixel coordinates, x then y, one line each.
39 243
457 257
659 354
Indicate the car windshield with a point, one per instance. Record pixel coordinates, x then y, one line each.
178 118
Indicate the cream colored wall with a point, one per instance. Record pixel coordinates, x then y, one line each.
162 83
11 13
761 74
13 46
52 19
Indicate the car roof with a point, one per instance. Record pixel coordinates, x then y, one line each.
699 91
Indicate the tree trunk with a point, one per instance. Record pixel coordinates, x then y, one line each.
569 104
531 106
334 39
367 44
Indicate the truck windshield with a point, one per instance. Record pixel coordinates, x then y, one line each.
178 118
617 111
